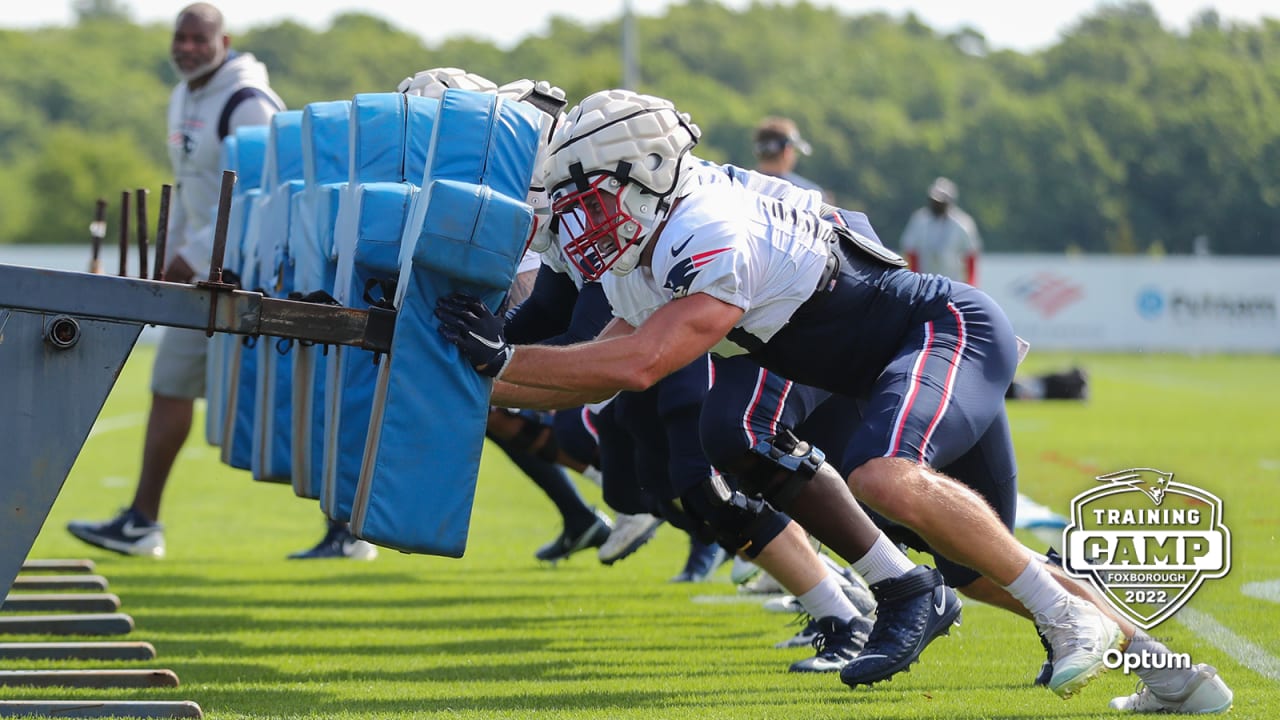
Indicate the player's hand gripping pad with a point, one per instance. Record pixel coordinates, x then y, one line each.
426 434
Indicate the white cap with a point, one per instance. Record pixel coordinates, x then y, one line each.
943 190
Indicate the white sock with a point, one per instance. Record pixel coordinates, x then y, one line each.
826 599
883 561
1036 589
1166 680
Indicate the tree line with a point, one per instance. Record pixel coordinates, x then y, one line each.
1123 137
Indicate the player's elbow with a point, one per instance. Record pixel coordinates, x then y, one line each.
643 372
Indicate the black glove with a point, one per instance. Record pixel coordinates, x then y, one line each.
467 323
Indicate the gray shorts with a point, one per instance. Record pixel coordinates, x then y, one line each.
180 359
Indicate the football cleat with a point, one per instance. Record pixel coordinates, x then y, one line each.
1204 693
565 545
338 542
804 636
914 609
703 560
630 532
1080 636
1046 668
837 643
128 533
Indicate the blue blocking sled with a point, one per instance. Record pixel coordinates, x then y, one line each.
324 176
281 181
426 432
231 357
388 142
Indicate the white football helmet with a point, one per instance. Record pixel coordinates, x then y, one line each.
432 83
615 165
551 101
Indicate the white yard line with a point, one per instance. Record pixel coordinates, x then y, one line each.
1241 650
118 422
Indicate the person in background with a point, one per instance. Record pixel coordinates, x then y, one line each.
220 90
777 144
941 239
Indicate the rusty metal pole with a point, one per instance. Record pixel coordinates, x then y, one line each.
220 227
124 233
162 231
140 198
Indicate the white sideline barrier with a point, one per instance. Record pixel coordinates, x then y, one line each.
1121 303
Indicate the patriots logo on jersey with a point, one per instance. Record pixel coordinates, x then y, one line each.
680 277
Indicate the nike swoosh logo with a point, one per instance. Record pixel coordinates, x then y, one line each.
941 606
677 249
487 342
132 531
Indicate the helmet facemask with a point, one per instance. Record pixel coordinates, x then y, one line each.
597 230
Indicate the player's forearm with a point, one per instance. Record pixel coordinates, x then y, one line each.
593 371
507 394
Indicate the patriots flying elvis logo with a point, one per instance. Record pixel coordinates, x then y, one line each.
681 275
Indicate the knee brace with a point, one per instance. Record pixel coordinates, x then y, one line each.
740 522
788 465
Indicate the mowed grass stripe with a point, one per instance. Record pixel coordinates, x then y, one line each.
494 635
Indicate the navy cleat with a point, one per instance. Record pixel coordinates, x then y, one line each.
338 542
565 544
914 609
837 643
704 559
1046 668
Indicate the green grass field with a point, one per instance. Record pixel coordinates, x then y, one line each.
494 635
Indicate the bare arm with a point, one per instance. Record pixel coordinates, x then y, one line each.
626 358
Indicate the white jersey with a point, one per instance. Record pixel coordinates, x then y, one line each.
759 252
709 173
195 150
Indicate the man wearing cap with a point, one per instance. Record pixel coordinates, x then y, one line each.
941 238
776 143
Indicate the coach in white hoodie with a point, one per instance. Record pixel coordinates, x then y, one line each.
221 90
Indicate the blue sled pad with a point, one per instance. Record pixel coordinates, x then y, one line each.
417 482
381 209
242 153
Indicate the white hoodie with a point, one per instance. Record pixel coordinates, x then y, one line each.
195 150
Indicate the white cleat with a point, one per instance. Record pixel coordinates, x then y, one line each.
629 533
1204 693
1080 635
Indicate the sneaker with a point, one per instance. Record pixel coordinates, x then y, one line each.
913 609
1046 668
1080 636
629 533
128 534
837 642
804 636
565 545
1203 693
338 542
742 571
704 559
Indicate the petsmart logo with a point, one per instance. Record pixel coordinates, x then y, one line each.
1047 293
1146 557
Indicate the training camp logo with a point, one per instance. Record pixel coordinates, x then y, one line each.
1146 542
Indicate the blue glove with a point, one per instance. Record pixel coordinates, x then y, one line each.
467 323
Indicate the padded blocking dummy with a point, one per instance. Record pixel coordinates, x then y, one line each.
231 393
282 180
325 168
417 482
389 137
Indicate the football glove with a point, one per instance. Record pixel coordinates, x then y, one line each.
477 332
